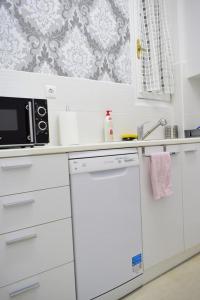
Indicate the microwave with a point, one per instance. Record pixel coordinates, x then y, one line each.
23 122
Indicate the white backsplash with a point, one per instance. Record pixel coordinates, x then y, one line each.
90 99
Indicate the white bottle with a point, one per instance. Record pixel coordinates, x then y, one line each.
108 127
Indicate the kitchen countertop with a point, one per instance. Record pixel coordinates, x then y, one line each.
15 152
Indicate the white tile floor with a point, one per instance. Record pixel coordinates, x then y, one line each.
181 283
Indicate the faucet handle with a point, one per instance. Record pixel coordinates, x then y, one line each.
162 122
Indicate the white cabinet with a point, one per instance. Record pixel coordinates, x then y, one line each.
162 220
36 247
23 174
33 250
191 194
38 207
54 284
191 23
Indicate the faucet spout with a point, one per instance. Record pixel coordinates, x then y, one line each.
142 135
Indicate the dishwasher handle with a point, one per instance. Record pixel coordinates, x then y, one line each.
108 174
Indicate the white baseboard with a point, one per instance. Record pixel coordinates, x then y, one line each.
123 290
159 269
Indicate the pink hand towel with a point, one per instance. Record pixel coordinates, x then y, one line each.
160 170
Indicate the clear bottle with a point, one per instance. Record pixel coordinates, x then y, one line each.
168 132
108 127
175 132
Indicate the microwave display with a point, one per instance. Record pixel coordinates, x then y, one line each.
8 120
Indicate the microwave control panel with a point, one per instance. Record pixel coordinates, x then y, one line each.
41 121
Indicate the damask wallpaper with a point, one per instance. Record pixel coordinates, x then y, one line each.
76 38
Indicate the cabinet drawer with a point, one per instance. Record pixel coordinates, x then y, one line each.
58 283
24 174
30 251
29 209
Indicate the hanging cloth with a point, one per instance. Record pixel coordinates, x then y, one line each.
157 72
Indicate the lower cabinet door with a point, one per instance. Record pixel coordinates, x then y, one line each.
162 219
57 284
30 251
191 199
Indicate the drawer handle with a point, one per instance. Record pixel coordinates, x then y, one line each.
21 238
11 166
18 203
24 289
190 150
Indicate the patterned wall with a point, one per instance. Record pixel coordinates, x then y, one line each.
77 38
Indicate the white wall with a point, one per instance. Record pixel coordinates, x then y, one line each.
91 98
188 32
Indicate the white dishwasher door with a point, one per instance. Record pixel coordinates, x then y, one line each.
106 222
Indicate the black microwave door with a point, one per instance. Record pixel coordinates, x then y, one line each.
14 121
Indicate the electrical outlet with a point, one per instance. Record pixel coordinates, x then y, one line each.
50 91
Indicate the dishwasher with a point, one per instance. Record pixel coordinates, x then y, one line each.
106 214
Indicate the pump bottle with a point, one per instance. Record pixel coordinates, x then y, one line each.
108 127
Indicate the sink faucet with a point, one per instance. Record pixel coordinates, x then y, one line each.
140 129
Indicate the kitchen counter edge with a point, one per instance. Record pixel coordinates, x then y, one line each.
42 150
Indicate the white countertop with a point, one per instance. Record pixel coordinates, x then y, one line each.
95 146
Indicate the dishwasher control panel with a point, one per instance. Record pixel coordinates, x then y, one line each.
95 164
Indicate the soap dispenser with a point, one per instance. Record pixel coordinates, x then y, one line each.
108 127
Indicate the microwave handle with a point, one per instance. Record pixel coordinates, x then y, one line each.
30 112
